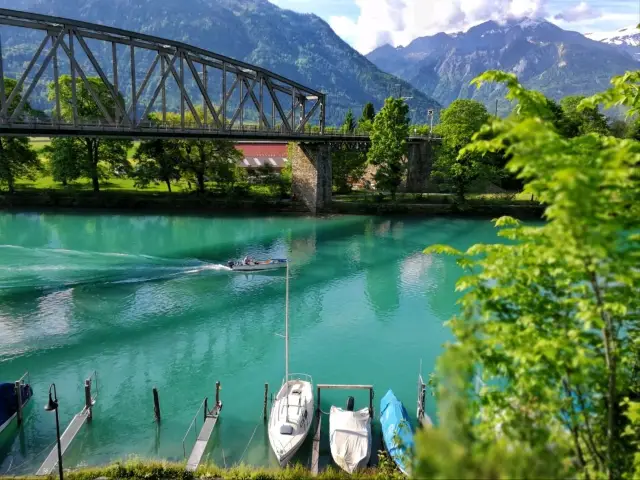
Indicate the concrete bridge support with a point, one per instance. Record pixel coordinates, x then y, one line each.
419 165
311 172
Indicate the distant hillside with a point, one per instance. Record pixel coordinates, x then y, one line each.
544 56
298 46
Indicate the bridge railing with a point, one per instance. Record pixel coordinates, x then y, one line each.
87 127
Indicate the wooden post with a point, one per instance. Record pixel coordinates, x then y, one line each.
371 403
19 399
206 408
156 404
87 398
217 393
266 396
319 401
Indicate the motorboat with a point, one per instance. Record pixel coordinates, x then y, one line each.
250 265
292 410
350 436
396 431
9 402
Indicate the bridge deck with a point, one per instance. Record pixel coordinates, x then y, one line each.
65 441
202 441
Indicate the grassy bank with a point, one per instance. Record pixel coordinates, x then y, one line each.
154 470
120 197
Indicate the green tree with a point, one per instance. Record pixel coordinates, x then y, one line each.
349 124
389 144
17 158
455 167
552 318
157 161
101 156
368 113
347 167
206 158
67 158
619 128
583 121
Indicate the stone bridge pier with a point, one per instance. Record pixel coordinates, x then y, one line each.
311 174
419 165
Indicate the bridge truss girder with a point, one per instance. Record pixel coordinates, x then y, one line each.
281 105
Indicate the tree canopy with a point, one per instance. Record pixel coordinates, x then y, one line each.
389 144
551 319
454 167
101 156
17 157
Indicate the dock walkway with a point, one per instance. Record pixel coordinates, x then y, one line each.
65 440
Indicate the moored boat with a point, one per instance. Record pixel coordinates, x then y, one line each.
396 431
9 402
350 437
250 265
292 409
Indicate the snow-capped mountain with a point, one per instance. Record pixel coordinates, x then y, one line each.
545 57
626 38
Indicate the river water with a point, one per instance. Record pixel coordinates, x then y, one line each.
147 301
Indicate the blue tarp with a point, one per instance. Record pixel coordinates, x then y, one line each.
8 401
396 431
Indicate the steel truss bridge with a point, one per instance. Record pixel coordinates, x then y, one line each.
151 87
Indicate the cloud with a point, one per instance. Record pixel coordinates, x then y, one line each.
578 13
398 22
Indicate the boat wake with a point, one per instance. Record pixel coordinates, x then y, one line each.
46 268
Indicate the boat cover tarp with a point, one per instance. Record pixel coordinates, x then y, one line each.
396 431
350 438
8 401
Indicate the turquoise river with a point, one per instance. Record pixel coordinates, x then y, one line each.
147 301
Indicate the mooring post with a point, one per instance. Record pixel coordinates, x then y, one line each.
319 401
371 403
266 396
206 408
19 399
87 398
218 394
156 404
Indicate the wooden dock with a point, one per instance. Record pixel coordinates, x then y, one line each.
315 452
208 425
72 429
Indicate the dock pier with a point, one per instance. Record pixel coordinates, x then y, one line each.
315 451
73 428
423 419
202 440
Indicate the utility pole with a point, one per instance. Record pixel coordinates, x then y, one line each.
496 107
430 115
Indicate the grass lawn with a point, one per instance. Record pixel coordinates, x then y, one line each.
119 184
436 198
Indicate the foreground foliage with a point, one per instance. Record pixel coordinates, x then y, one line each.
551 320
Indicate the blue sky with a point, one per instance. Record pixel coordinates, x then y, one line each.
366 24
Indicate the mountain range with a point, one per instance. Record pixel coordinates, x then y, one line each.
544 56
628 39
301 47
432 71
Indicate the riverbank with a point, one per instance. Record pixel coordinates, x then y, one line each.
191 203
155 470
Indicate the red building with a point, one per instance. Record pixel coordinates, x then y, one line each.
258 155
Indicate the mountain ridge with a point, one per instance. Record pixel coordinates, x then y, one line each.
544 56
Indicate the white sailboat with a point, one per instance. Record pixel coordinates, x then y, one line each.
292 409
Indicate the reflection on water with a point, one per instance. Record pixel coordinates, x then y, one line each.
147 301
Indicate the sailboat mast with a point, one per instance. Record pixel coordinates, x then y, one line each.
286 330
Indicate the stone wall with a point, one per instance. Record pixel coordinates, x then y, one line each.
311 175
419 166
